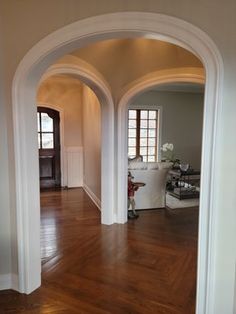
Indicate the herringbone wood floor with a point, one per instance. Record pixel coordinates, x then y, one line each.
145 266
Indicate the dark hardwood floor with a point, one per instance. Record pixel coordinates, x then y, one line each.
145 266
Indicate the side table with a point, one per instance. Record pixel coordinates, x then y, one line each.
184 184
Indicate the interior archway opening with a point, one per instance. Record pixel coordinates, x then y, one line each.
69 131
213 70
164 132
175 64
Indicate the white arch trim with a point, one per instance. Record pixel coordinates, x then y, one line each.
74 36
175 75
82 70
25 85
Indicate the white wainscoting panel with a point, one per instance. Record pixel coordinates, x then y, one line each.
74 166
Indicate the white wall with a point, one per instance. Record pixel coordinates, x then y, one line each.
92 143
182 118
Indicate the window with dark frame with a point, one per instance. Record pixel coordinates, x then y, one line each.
45 131
143 134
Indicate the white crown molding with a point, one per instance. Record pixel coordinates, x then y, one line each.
74 36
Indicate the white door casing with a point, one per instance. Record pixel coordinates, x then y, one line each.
31 68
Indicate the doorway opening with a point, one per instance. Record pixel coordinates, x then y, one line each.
79 198
164 145
80 128
49 147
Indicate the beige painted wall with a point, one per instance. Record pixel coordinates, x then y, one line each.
24 23
182 117
66 94
92 141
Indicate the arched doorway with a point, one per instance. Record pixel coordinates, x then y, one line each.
154 79
49 147
76 35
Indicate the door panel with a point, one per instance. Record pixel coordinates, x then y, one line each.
46 167
49 147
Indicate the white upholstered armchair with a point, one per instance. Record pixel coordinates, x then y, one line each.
154 175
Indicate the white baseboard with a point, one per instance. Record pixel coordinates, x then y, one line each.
5 281
93 197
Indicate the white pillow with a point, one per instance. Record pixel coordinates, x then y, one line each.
165 165
137 158
137 165
152 165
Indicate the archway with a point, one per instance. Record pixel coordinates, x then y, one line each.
86 74
76 35
192 75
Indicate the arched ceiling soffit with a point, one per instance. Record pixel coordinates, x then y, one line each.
56 88
123 61
147 82
76 68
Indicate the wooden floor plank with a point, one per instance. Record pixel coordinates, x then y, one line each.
145 266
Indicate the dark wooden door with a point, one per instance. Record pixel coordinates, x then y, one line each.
49 147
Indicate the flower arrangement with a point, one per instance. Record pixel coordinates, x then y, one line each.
168 153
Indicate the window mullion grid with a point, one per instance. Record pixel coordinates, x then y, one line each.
147 134
156 142
138 133
40 130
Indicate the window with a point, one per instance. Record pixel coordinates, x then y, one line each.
45 131
143 134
